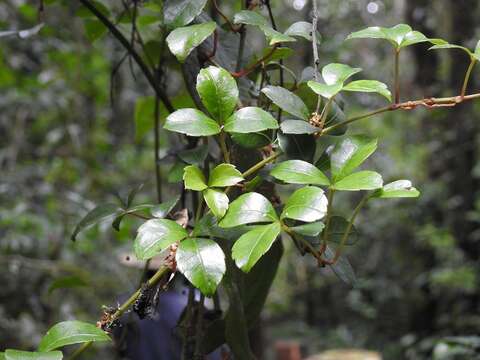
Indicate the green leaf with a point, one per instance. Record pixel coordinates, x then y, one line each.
362 180
175 174
26 355
163 209
144 116
302 29
336 230
202 262
253 140
369 86
306 204
342 268
118 220
218 91
442 44
399 35
156 235
297 146
298 127
217 201
312 229
397 189
182 12
250 119
194 178
94 29
98 214
287 101
248 17
67 282
349 153
275 37
338 73
299 172
476 53
249 208
183 40
191 122
224 175
69 333
195 156
251 246
327 91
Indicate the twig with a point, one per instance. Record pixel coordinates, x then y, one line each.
397 76
316 59
473 61
253 66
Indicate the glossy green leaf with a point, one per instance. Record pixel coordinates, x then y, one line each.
306 204
362 180
156 235
312 229
191 122
224 175
217 201
275 37
202 262
287 101
194 178
98 214
163 209
251 246
195 156
248 17
338 73
67 282
27 355
252 140
397 189
71 332
299 172
336 231
249 208
369 86
349 153
175 173
327 91
298 127
181 12
399 35
218 91
302 29
301 147
250 119
139 208
442 44
183 40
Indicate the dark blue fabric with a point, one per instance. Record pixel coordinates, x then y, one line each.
154 339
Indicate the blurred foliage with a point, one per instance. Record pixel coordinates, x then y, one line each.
74 132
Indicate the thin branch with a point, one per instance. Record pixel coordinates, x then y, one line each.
397 76
473 61
126 44
316 59
253 66
224 17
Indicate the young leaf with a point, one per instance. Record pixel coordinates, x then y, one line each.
312 229
224 175
218 91
251 246
362 180
156 235
302 29
250 119
349 153
249 208
369 86
191 122
181 12
397 189
298 127
194 178
307 204
399 35
202 262
26 355
163 209
217 201
299 172
275 37
99 213
248 17
338 73
327 91
183 40
71 332
287 101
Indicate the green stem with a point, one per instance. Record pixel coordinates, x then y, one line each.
261 164
356 118
331 193
467 76
223 146
80 350
326 109
397 76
